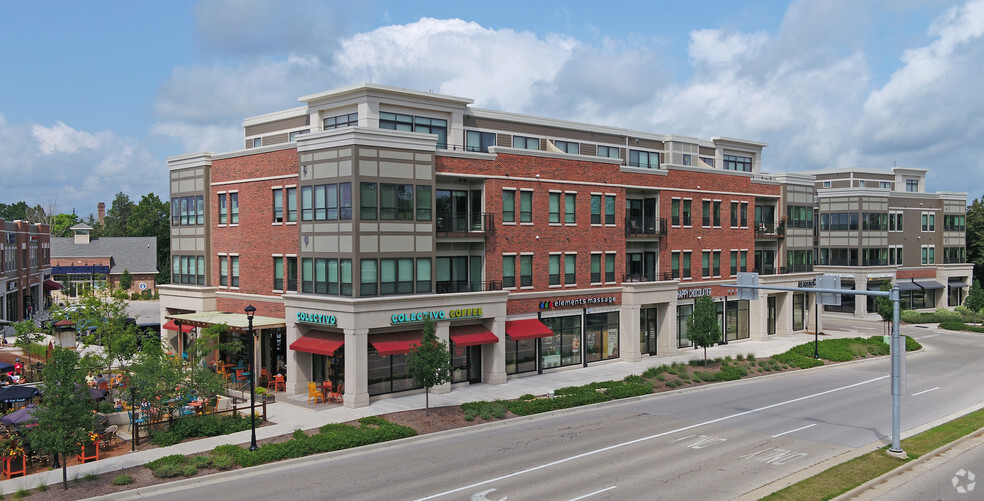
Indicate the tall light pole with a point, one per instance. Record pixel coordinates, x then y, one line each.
250 311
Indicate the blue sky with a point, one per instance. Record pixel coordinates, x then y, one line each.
96 95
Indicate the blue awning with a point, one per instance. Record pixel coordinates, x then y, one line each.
908 285
929 284
957 285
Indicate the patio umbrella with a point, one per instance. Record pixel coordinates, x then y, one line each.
5 367
22 416
97 394
17 393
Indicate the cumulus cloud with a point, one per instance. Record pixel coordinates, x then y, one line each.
61 138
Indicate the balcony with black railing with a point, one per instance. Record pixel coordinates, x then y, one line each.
766 229
465 224
645 226
450 287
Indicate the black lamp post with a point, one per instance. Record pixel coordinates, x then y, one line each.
250 311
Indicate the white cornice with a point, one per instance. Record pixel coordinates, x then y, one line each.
276 115
565 124
370 88
362 136
254 151
191 160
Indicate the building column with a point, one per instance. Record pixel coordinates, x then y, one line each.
758 316
443 332
860 302
666 328
494 355
784 313
629 333
356 368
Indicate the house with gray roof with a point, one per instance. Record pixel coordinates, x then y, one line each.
81 262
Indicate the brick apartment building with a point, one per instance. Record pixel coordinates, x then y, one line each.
535 243
25 271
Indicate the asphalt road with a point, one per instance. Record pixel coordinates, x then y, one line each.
715 442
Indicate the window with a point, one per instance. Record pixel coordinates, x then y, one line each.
685 266
568 147
525 206
526 143
348 120
839 221
479 141
326 202
674 265
716 261
367 277
687 159
734 214
396 276
570 269
608 151
508 271
367 201
738 163
554 208
223 217
188 210
396 121
675 212
595 268
717 213
526 270
234 274
954 222
743 264
595 209
885 184
705 259
734 262
278 205
292 205
234 208
928 221
826 184
223 271
257 142
423 202
508 206
424 125
687 211
423 274
744 214
610 267
895 255
644 159
554 269
799 216
278 273
396 202
570 203
292 137
292 273
912 185
874 221
609 209
708 161
928 254
705 213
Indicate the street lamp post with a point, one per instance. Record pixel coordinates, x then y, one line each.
250 311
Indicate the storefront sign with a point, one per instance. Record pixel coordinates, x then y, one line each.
881 275
419 316
692 293
316 318
564 303
807 283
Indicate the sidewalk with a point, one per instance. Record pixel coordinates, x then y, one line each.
293 412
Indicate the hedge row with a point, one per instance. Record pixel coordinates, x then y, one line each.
208 425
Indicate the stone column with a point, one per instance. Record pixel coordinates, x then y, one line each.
784 313
758 316
666 329
356 368
494 355
629 332
442 330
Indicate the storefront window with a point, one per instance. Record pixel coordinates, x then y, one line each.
520 356
564 347
683 313
601 336
387 374
799 311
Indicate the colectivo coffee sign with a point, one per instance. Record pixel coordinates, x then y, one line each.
420 316
316 318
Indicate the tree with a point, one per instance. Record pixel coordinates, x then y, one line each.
150 218
62 223
118 216
702 326
27 334
64 416
975 297
975 237
886 307
43 214
104 322
429 363
126 280
14 212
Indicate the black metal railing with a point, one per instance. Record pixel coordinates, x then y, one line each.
770 229
464 286
645 226
465 223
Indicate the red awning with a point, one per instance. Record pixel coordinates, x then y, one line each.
471 335
395 343
527 329
64 323
171 326
320 343
51 285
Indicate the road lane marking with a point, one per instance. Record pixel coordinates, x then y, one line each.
643 439
606 489
925 391
775 456
791 431
699 441
929 336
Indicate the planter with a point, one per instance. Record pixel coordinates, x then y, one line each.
14 465
266 398
89 452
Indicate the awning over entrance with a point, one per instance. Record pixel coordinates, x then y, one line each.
235 321
906 286
929 284
957 285
51 285
395 343
527 329
171 326
471 335
320 343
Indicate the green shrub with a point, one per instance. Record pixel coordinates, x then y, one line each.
222 461
795 360
527 396
189 470
172 460
750 357
123 479
943 314
167 471
201 462
135 296
739 357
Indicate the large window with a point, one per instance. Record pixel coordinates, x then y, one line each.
186 211
368 205
684 311
839 221
526 270
525 206
184 270
396 276
554 208
799 216
644 159
396 202
600 336
526 143
564 347
607 151
738 163
954 222
326 276
423 202
479 141
399 121
509 271
595 209
508 206
928 221
368 277
570 269
928 254
348 120
570 205
912 185
423 274
326 202
554 269
874 221
568 147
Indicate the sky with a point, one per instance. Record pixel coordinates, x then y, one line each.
95 96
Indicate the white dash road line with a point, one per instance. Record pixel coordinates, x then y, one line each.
643 439
606 489
929 336
797 429
925 391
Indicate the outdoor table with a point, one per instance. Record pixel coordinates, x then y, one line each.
326 389
196 405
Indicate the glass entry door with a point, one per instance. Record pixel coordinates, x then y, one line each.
647 328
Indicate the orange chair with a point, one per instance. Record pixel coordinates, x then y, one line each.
336 396
314 393
278 382
264 376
